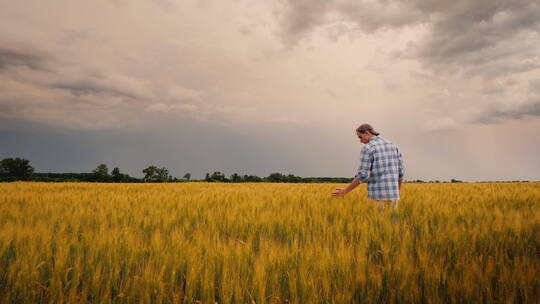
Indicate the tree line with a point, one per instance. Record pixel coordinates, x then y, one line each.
272 178
19 169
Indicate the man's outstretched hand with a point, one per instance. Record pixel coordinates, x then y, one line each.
340 192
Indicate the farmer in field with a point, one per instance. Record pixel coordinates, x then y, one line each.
381 166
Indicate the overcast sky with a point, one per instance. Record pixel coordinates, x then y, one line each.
256 87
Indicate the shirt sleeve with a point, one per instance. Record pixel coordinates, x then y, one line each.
400 164
366 158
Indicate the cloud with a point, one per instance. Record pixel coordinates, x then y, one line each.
168 108
177 92
80 98
166 5
535 86
453 42
494 106
513 108
58 63
73 36
158 107
114 85
442 124
302 17
226 62
485 37
473 26
11 56
497 115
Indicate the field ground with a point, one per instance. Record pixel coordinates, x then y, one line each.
267 243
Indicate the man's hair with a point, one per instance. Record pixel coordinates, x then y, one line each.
363 128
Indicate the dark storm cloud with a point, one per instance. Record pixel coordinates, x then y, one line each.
5 109
302 16
487 38
181 146
490 39
36 85
496 113
14 57
89 87
484 37
469 26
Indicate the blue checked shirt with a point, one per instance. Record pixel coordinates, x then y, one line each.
381 166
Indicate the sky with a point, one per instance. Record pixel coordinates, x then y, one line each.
255 87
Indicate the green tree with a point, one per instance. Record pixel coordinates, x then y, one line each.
187 176
155 174
149 173
162 174
291 178
235 178
218 177
276 178
117 176
16 167
101 173
252 178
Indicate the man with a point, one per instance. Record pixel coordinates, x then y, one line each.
381 166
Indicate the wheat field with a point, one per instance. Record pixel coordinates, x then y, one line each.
267 243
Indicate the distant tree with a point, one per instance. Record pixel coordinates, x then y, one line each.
162 174
207 177
187 176
101 173
149 173
252 179
455 180
291 178
118 177
276 178
235 178
155 174
17 167
218 177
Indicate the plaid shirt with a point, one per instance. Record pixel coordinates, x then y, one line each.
381 166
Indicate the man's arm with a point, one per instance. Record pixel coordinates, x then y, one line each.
342 191
366 159
400 169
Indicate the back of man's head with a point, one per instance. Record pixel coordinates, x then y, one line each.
363 128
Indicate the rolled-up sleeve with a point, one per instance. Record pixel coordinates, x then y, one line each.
366 159
400 165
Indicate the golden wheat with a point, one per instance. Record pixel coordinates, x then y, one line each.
267 243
